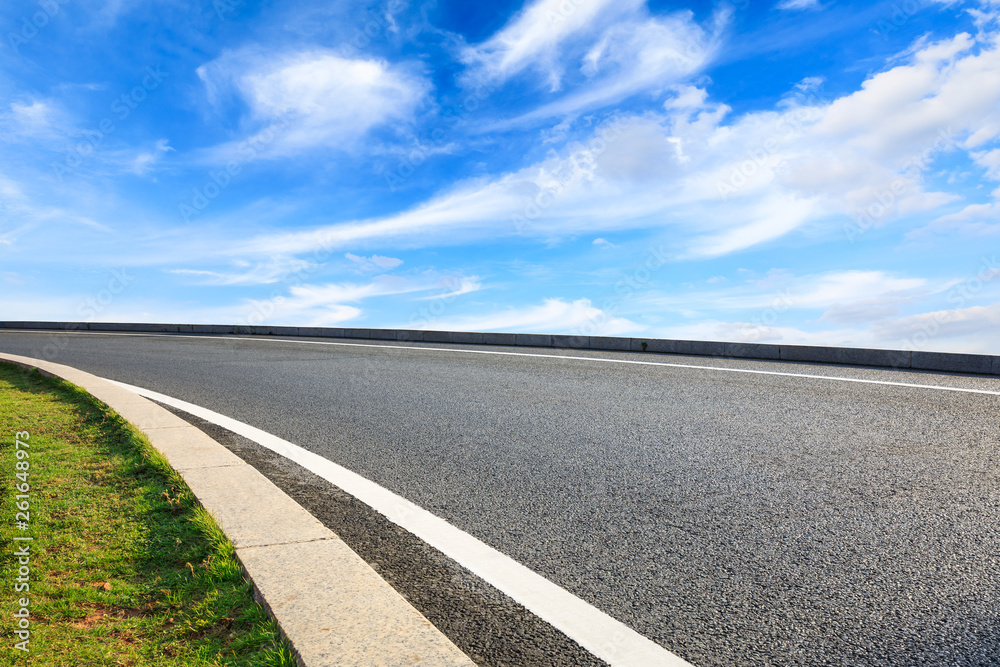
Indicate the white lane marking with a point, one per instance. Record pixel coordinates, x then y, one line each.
722 369
608 639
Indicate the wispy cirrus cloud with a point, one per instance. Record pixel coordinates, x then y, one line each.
465 285
594 53
551 316
798 4
972 221
373 263
537 37
242 272
144 162
824 292
332 303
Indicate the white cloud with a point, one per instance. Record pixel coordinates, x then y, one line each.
798 4
973 220
751 332
456 287
245 273
903 111
559 316
857 286
787 292
633 57
314 295
37 120
325 305
301 305
536 35
985 15
614 49
470 205
144 161
769 218
374 263
314 97
686 98
21 215
720 187
31 117
859 308
990 161
971 329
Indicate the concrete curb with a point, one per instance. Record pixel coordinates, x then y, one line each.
333 608
855 356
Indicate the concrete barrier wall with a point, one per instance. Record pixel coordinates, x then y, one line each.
931 361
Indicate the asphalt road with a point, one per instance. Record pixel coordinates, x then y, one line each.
736 519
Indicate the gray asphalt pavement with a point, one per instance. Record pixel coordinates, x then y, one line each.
736 519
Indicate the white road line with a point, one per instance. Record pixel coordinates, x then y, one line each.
608 639
720 369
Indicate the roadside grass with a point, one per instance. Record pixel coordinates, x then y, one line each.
126 568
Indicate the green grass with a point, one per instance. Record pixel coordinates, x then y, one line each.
127 568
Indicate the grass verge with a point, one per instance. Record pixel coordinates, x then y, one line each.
126 567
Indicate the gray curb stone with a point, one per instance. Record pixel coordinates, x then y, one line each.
499 339
943 361
610 343
533 340
571 342
752 350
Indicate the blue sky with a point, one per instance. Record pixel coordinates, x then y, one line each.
797 171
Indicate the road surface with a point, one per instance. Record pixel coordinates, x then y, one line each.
735 518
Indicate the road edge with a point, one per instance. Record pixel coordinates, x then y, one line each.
949 362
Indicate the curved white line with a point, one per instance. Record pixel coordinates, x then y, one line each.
608 639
